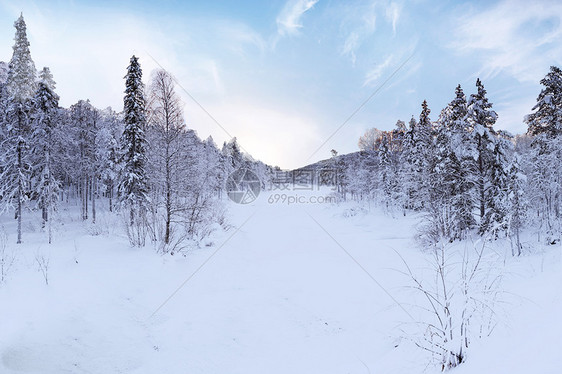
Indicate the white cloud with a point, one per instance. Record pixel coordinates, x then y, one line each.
289 21
520 38
375 73
350 45
358 23
393 11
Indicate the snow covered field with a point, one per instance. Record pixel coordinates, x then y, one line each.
277 293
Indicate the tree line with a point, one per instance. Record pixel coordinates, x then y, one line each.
143 163
467 176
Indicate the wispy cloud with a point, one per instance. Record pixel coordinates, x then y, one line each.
376 72
359 23
350 45
518 38
393 11
289 21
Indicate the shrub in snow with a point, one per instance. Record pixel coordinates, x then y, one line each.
456 303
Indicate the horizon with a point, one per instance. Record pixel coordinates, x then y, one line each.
283 76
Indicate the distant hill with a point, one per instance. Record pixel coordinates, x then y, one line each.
348 159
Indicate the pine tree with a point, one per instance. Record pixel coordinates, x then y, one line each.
442 180
133 185
497 193
109 153
3 75
46 77
385 169
408 159
545 125
517 203
480 119
45 113
547 118
15 158
83 119
21 83
461 164
420 157
233 154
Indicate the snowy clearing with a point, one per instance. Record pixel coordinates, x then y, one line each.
281 296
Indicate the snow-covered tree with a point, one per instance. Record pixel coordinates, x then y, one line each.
544 172
108 153
133 184
517 203
4 67
15 163
167 151
547 115
22 77
497 193
15 159
417 154
83 119
45 116
480 119
451 183
385 170
46 77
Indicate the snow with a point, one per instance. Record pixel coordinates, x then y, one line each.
281 296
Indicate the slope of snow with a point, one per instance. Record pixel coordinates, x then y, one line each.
281 292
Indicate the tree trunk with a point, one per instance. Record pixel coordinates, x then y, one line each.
94 186
168 199
20 190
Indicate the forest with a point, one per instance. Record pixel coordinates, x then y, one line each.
143 163
101 188
465 175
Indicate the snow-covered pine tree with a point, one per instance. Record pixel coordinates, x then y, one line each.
108 153
385 170
480 119
46 77
83 119
15 163
3 75
444 167
517 203
45 115
408 160
547 115
497 194
233 154
397 137
212 160
545 127
19 90
420 158
133 184
21 82
3 92
461 164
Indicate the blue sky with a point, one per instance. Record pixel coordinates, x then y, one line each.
282 76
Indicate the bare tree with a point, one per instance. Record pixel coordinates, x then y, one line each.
371 140
166 127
